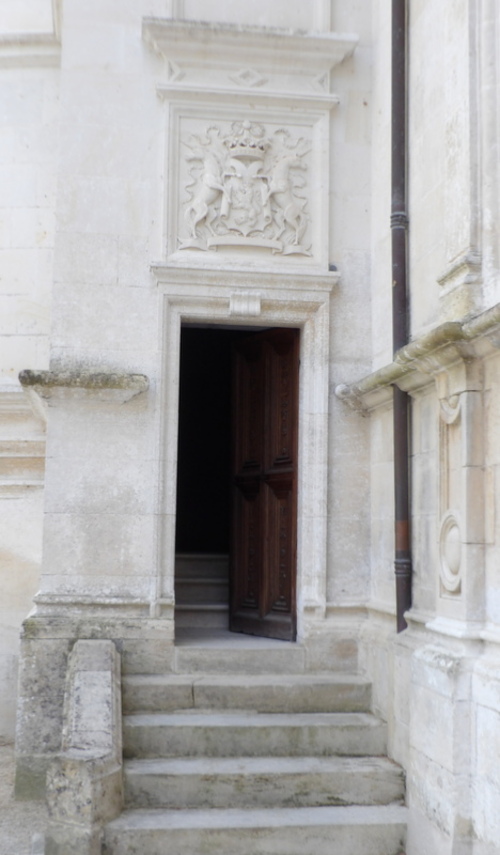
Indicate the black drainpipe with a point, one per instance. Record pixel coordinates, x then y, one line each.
399 225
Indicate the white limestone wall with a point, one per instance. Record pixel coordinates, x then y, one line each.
351 212
103 532
437 683
101 467
106 308
381 306
29 99
28 164
21 507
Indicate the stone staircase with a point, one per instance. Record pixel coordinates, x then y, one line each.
243 752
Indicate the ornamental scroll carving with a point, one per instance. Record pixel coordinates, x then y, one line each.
246 189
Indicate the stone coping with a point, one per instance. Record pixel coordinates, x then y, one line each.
415 364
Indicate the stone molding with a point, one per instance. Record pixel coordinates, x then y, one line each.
422 360
236 279
465 270
48 603
34 49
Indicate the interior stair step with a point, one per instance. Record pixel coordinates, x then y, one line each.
201 590
215 615
377 830
285 693
244 782
209 565
222 734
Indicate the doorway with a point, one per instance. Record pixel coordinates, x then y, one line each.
237 479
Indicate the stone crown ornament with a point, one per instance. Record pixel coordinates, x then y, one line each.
247 141
245 190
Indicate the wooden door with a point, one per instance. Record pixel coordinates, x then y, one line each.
264 527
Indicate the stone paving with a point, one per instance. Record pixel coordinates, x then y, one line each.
19 821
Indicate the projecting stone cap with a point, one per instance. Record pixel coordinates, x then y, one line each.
112 387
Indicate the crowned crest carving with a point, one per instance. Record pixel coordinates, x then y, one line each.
246 189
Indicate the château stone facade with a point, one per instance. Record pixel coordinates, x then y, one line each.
222 165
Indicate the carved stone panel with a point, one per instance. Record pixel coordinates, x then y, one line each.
245 187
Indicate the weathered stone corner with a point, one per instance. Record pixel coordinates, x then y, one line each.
84 784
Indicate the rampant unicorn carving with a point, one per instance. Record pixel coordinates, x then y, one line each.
201 208
290 207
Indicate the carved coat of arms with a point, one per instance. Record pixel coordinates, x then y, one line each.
245 189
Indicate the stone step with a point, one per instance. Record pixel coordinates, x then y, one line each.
265 693
198 565
244 782
200 590
235 653
215 615
212 734
285 831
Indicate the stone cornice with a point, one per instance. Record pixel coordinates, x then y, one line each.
200 42
415 365
261 280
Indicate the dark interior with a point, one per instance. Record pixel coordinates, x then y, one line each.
204 446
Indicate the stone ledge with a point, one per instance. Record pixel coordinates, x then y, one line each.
110 387
415 365
83 380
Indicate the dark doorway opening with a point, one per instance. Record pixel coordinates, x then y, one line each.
204 446
204 492
237 480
